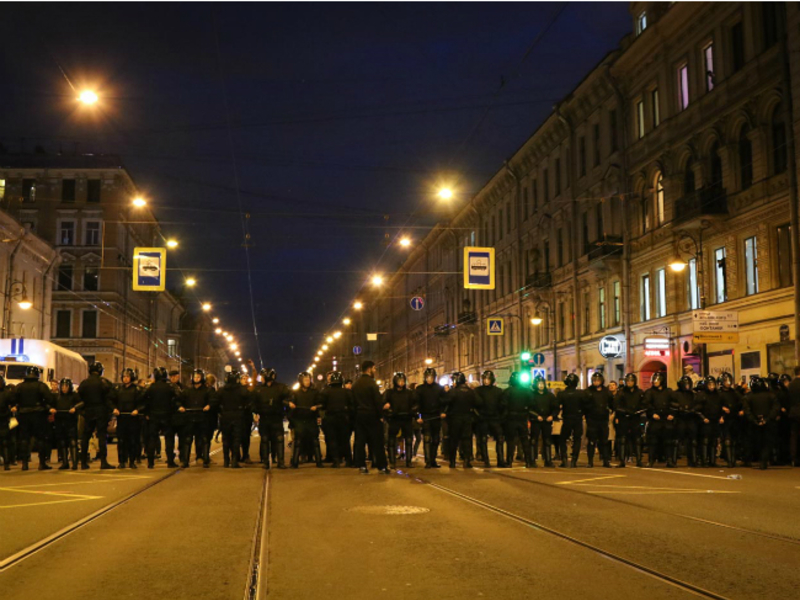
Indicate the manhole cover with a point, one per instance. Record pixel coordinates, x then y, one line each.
389 510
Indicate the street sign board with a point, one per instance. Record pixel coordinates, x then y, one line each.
417 303
715 321
478 268
610 346
495 326
716 338
357 350
656 346
535 372
538 359
149 269
556 385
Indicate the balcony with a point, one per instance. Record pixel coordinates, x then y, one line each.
443 330
539 280
706 202
467 318
608 246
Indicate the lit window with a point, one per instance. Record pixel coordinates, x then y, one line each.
601 305
694 296
641 23
645 298
683 86
640 118
708 61
2 189
617 302
660 210
661 296
721 283
751 265
656 109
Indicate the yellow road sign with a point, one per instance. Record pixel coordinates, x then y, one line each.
149 269
478 268
716 338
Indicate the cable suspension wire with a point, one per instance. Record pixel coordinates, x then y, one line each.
242 216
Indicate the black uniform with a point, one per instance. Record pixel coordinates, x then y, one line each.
402 412
232 401
303 418
735 423
160 402
710 408
518 401
66 422
128 400
599 405
491 415
369 429
33 400
762 410
544 410
337 402
572 403
97 395
459 405
5 418
196 401
431 397
270 402
660 423
629 410
794 418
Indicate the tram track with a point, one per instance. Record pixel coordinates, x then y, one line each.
256 585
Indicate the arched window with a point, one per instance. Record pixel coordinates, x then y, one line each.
779 150
645 212
659 197
688 177
716 166
745 157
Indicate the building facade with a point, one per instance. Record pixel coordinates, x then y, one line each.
664 183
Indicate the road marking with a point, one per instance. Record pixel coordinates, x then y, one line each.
656 492
673 472
70 497
118 476
583 481
46 503
65 483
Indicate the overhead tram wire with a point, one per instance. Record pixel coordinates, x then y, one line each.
243 218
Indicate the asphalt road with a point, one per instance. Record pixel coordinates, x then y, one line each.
589 533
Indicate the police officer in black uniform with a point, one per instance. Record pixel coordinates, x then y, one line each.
491 415
518 399
734 417
431 398
337 402
369 420
400 406
31 401
599 405
794 416
711 410
572 404
67 404
129 402
660 419
458 408
629 408
270 403
687 407
160 402
762 409
5 419
305 404
232 401
97 395
544 410
194 403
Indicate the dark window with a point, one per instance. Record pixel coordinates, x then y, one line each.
779 150
535 195
546 256
93 190
645 214
600 224
612 127
558 177
90 279
89 324
546 184
63 324
688 178
560 246
508 217
745 158
716 165
68 190
586 312
28 190
596 131
784 235
500 225
737 46
493 229
65 273
582 155
585 228
770 20
526 207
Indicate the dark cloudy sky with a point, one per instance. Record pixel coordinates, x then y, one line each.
337 114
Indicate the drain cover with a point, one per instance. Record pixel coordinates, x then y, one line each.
391 509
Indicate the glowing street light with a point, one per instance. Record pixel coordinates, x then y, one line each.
325 346
191 282
316 359
337 335
139 202
346 321
319 352
234 346
428 361
206 306
537 320
358 305
237 353
329 339
678 265
215 320
446 193
377 280
405 242
88 97
172 243
218 331
24 303
229 337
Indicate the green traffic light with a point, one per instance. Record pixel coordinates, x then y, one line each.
525 356
525 377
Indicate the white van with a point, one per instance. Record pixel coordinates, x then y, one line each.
54 361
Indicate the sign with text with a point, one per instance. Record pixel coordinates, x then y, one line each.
478 268
656 346
610 346
149 269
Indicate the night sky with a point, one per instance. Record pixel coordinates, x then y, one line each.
337 116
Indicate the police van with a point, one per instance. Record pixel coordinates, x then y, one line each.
54 361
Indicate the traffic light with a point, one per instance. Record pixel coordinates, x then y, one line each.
525 356
525 377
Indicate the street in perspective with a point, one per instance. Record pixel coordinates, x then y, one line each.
400 300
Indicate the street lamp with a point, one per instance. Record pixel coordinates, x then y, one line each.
206 306
88 97
357 305
218 331
172 243
215 320
329 339
377 280
446 193
24 303
139 202
346 321
191 282
536 320
405 242
678 266
428 361
325 346
337 335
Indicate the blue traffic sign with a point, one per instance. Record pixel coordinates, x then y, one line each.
538 359
417 303
539 373
357 350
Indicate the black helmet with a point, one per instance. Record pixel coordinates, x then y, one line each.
458 378
96 367
709 379
658 379
785 379
429 372
202 376
598 375
130 373
571 381
33 373
488 374
397 377
302 375
233 376
514 379
337 378
685 383
774 380
758 384
2 382
724 378
65 381
268 375
160 374
632 377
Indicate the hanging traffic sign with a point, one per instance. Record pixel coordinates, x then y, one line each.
478 268
539 373
538 359
357 350
149 269
494 326
417 303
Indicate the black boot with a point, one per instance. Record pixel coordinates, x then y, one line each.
281 455
548 456
62 449
484 444
621 449
590 454
426 450
729 455
712 454
638 447
43 466
563 452
295 462
317 454
672 455
498 447
391 450
409 451
104 464
468 454
651 456
573 463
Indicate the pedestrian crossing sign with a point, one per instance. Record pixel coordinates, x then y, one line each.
495 326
